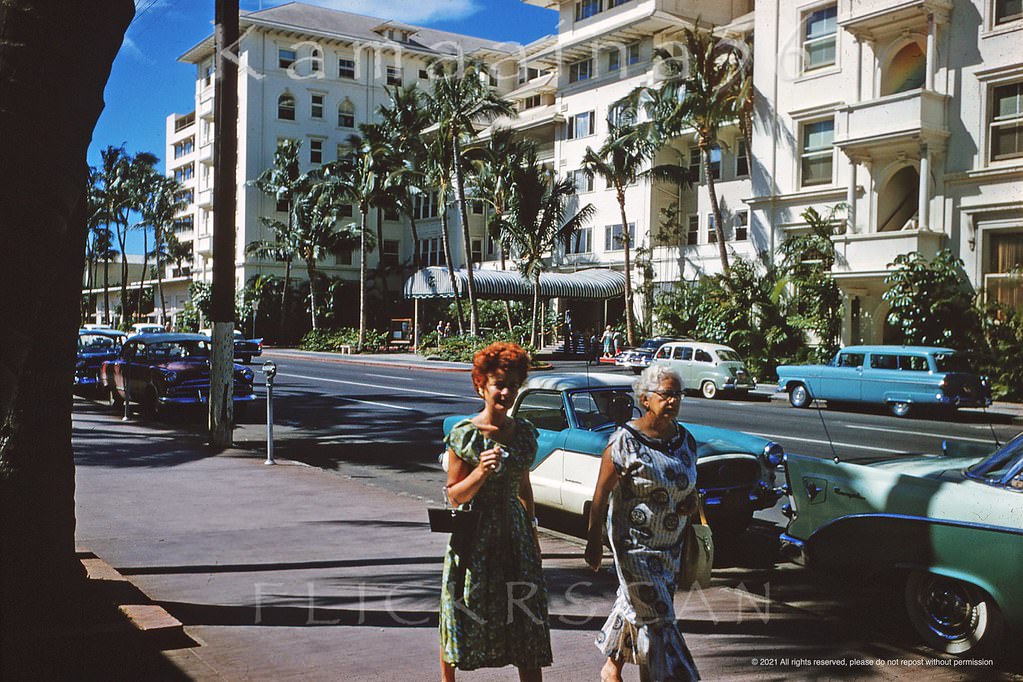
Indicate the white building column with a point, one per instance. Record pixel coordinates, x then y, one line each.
858 93
850 198
930 57
923 219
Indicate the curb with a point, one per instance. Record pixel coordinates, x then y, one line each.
341 359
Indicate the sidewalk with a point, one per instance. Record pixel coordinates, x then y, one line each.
290 572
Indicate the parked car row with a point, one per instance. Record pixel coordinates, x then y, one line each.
708 368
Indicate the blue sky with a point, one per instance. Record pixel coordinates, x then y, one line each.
148 83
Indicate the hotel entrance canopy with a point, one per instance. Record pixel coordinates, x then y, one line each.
592 284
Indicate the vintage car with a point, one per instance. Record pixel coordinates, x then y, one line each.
95 346
637 359
160 370
244 349
736 471
903 378
946 529
147 328
706 367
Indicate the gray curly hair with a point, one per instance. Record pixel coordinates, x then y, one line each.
651 380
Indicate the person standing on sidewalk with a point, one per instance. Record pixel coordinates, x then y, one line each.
648 473
493 606
607 339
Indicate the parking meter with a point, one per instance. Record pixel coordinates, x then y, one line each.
270 371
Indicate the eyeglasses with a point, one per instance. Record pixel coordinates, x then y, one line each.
668 395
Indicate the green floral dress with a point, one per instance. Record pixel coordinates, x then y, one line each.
477 628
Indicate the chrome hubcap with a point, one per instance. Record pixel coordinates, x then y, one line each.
948 610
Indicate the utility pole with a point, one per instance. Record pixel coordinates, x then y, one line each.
225 165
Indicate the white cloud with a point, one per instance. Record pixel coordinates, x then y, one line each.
411 11
132 50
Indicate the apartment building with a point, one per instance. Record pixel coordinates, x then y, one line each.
909 112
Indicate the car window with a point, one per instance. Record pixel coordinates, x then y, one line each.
95 342
850 360
703 356
726 355
951 362
544 409
1005 461
913 363
664 353
878 361
599 409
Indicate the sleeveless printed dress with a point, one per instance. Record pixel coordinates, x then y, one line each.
645 525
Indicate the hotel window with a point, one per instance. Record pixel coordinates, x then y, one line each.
694 165
1002 279
616 3
186 146
693 230
817 155
619 114
283 203
346 211
1008 10
1007 122
530 103
476 206
316 61
614 237
587 9
316 105
819 38
580 125
614 60
183 224
580 71
184 173
476 249
207 77
426 205
741 225
389 254
579 241
345 68
582 180
315 151
184 196
390 213
712 233
741 159
424 75
285 57
632 53
346 114
394 75
343 256
286 107
527 73
715 162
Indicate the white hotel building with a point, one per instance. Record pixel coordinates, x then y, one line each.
910 112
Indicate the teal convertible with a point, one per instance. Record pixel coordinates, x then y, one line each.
575 415
947 530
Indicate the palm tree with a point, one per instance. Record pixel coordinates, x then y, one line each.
620 161
462 98
493 165
438 174
359 177
159 212
535 222
97 243
703 95
281 181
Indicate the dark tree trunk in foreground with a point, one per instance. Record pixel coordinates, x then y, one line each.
55 58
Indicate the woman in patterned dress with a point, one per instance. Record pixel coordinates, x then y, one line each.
648 473
493 609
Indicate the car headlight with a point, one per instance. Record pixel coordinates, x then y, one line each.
247 375
774 454
168 376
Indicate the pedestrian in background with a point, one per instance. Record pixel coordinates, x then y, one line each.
607 339
646 492
489 456
447 330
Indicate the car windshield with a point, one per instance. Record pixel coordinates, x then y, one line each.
728 355
653 344
1003 462
95 342
178 349
951 362
603 409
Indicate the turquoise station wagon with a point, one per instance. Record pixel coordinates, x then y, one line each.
900 377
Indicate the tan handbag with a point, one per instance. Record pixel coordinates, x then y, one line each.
697 554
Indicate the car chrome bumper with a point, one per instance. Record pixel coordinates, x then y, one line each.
960 401
793 549
200 399
762 497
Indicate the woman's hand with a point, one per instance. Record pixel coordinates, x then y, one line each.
490 461
594 553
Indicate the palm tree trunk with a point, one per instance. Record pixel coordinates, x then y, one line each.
466 243
626 244
415 239
122 237
363 210
106 279
310 269
507 303
284 298
145 264
159 275
446 245
536 310
719 227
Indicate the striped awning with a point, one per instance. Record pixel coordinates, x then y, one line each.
594 283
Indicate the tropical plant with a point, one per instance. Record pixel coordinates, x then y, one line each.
619 161
930 301
438 174
807 259
159 211
537 220
461 98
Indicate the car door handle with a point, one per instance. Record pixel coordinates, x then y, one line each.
848 493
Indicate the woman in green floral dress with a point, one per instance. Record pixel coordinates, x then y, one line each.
493 606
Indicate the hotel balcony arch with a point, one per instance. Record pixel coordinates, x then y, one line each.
904 65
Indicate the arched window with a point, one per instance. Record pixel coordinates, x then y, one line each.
286 107
316 62
346 114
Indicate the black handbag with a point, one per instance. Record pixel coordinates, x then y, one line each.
461 523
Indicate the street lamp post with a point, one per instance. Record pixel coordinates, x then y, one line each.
270 370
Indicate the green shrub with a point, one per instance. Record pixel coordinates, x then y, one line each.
463 348
331 340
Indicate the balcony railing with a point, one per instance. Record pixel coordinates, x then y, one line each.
911 115
873 252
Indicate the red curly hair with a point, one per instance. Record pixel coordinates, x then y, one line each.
500 356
